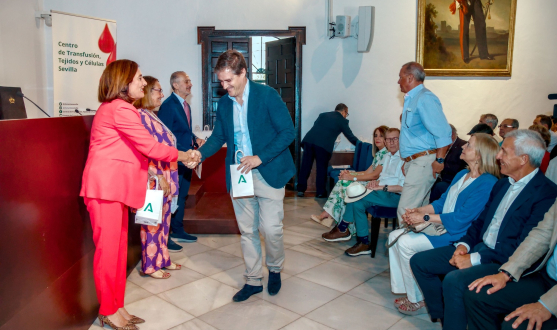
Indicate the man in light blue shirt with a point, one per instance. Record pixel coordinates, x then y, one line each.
425 138
242 140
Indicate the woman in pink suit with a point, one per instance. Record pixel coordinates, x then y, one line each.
115 178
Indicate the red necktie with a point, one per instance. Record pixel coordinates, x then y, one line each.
188 112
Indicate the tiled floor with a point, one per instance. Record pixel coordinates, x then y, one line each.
321 289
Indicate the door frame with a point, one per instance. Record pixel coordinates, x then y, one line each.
204 33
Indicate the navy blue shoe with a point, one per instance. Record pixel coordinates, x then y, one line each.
273 287
183 237
173 247
246 292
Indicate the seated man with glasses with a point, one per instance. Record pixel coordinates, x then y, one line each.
507 125
382 192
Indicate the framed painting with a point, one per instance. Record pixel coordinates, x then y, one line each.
466 37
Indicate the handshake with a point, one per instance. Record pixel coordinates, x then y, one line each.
190 158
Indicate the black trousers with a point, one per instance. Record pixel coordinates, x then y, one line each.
475 10
437 190
485 312
184 180
445 299
321 157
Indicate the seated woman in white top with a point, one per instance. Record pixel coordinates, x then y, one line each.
334 207
461 204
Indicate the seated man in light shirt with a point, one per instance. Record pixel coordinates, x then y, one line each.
530 300
515 206
383 192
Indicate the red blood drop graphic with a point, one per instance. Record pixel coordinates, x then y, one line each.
106 42
112 56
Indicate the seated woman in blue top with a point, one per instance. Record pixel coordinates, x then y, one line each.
461 204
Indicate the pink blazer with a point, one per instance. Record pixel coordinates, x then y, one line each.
116 168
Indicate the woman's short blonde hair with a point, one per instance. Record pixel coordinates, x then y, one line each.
487 149
146 102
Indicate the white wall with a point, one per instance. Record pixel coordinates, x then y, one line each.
22 52
162 38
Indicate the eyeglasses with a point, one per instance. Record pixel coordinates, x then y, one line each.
391 140
157 89
506 126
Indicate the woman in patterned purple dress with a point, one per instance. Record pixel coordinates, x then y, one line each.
154 252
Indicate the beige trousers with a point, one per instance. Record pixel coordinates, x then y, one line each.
262 212
417 184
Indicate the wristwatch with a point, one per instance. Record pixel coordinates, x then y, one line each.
426 217
386 188
511 278
440 160
355 179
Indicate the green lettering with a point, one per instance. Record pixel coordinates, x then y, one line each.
148 208
242 179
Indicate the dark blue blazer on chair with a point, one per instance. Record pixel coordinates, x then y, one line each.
172 114
525 212
271 132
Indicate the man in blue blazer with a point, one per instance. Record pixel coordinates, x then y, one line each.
254 119
515 206
175 113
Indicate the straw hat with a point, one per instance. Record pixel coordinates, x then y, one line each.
355 192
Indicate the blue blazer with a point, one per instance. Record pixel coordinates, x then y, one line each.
172 114
524 214
469 204
271 131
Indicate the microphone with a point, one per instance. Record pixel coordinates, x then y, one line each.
21 95
552 96
78 112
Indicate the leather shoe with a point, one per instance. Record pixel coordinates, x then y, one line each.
246 292
335 235
321 196
358 250
300 194
488 57
466 60
273 287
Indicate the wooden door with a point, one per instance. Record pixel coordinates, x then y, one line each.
280 62
217 46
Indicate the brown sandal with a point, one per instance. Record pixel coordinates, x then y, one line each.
173 266
160 274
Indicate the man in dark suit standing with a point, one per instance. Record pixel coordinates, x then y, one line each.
453 165
175 113
254 119
318 144
515 206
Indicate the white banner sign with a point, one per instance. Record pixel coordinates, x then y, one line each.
82 48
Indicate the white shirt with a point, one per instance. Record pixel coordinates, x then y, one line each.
553 141
453 193
490 235
392 170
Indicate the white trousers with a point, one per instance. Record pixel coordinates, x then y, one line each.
402 279
263 212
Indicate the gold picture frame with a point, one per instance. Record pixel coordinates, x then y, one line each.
440 56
